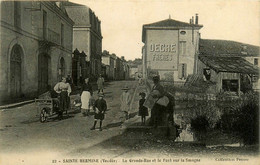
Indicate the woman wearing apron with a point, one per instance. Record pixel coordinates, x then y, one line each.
64 90
86 93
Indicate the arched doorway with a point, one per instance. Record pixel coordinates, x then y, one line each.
16 71
43 74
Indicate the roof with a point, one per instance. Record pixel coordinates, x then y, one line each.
213 47
79 14
66 3
168 23
171 23
229 64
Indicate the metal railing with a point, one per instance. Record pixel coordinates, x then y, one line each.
53 36
50 35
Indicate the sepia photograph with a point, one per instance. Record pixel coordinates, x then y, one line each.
141 82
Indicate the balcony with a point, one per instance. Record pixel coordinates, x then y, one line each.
53 37
50 36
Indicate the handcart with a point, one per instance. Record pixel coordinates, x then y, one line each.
47 106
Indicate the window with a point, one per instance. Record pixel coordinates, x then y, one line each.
182 47
44 24
230 85
182 71
256 61
183 32
17 14
206 73
62 35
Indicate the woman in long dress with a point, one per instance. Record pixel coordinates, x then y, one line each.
86 93
64 90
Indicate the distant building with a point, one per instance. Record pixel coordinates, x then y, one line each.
126 69
36 47
87 40
109 61
133 72
171 48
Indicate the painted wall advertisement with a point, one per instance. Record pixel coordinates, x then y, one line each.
162 49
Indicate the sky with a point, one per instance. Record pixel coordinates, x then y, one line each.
122 20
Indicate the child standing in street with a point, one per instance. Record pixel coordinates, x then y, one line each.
100 108
143 111
125 104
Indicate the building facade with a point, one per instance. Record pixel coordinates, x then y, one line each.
109 62
170 49
36 47
87 40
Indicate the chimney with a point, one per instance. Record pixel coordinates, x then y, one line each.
192 20
197 19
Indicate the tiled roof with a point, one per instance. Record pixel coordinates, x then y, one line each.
171 23
79 14
229 64
218 47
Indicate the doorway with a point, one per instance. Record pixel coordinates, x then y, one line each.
16 71
43 74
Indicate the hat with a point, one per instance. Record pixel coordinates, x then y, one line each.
156 77
125 88
101 95
142 94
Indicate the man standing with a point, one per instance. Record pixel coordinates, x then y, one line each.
100 84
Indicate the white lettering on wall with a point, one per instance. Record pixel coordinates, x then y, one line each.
163 48
157 57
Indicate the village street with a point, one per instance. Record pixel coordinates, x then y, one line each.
70 140
23 133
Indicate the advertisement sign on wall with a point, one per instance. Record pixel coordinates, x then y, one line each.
162 49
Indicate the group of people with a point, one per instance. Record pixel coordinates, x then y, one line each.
99 106
161 112
63 88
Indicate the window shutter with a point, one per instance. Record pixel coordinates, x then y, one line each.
180 71
185 71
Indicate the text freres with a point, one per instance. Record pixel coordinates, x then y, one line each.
163 48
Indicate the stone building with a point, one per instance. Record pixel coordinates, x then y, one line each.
36 47
170 48
109 61
87 41
119 69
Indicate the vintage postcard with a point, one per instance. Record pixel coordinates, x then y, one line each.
129 82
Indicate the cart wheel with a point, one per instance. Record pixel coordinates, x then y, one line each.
43 115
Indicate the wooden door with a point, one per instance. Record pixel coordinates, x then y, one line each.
43 73
15 71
